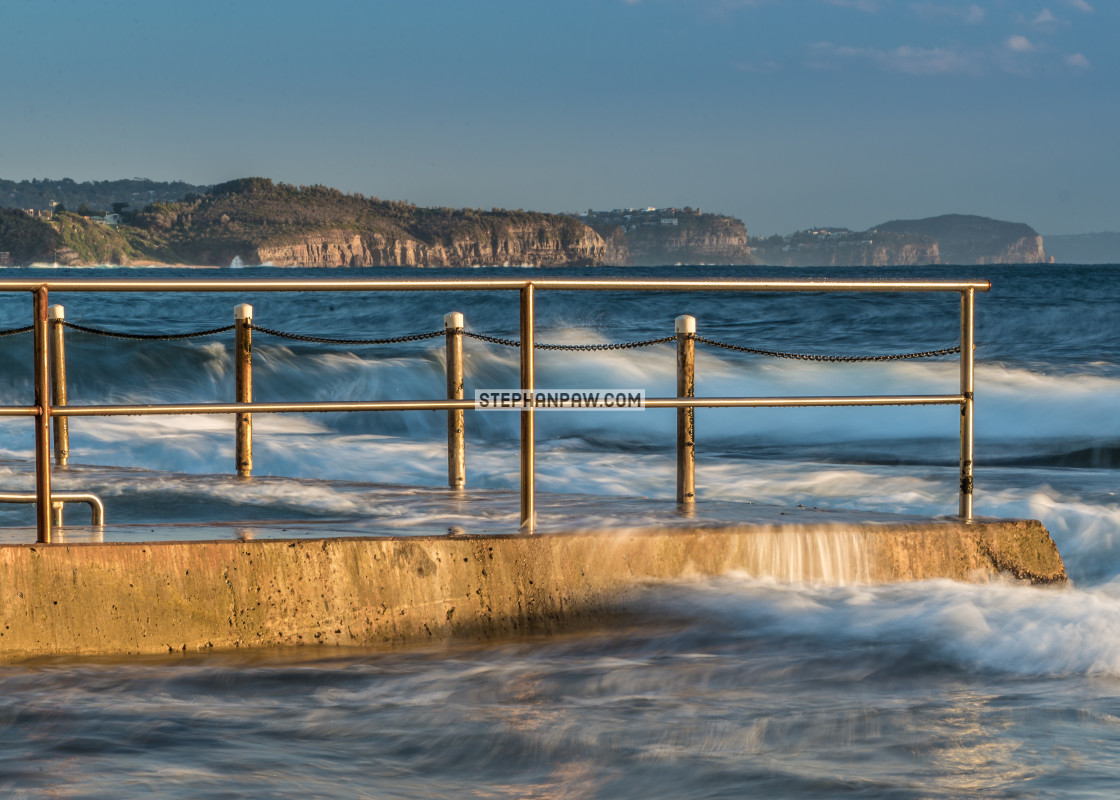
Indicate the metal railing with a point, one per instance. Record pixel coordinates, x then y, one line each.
43 409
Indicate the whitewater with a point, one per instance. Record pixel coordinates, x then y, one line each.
720 688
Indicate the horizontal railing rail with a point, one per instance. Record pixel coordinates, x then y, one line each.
45 409
326 406
490 284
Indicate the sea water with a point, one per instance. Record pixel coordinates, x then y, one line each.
728 687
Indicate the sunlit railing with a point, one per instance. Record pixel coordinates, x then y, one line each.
43 409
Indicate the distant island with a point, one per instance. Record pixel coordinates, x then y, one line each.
949 239
257 221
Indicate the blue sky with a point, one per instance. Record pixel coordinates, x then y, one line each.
786 113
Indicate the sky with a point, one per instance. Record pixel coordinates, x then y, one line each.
788 114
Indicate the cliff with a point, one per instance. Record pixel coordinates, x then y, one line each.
657 236
846 249
950 239
534 244
256 221
968 239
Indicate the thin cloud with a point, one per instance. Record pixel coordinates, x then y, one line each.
868 6
1046 21
1080 5
906 59
972 15
1018 55
975 15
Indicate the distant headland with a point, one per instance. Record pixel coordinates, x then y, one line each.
949 239
257 221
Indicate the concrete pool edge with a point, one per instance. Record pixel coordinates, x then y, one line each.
159 597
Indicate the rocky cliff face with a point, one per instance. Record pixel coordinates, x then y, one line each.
1027 250
969 239
909 254
886 251
659 236
537 245
618 249
950 239
720 244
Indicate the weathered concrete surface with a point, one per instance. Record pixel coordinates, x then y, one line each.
185 596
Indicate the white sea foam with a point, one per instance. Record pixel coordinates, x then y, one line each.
1001 626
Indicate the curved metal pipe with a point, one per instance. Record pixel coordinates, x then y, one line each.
96 507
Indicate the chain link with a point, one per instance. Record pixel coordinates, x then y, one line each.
13 331
811 357
482 337
583 347
325 340
150 337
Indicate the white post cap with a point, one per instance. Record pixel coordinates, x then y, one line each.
56 312
685 324
453 320
243 311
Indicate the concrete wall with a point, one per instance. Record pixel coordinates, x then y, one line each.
186 596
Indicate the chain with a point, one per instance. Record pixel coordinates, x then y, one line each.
811 357
324 340
13 331
152 337
540 346
482 337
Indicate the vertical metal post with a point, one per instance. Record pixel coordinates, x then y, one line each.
685 327
456 444
968 345
528 423
243 387
56 315
43 509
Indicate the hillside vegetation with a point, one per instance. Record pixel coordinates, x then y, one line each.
243 216
256 220
948 239
98 196
26 239
655 236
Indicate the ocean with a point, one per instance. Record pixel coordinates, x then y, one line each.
719 688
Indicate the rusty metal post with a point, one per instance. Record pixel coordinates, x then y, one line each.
528 422
968 346
57 314
243 387
43 507
685 327
456 434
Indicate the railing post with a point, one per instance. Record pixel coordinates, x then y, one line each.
43 507
57 314
685 327
243 387
456 443
968 346
528 422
